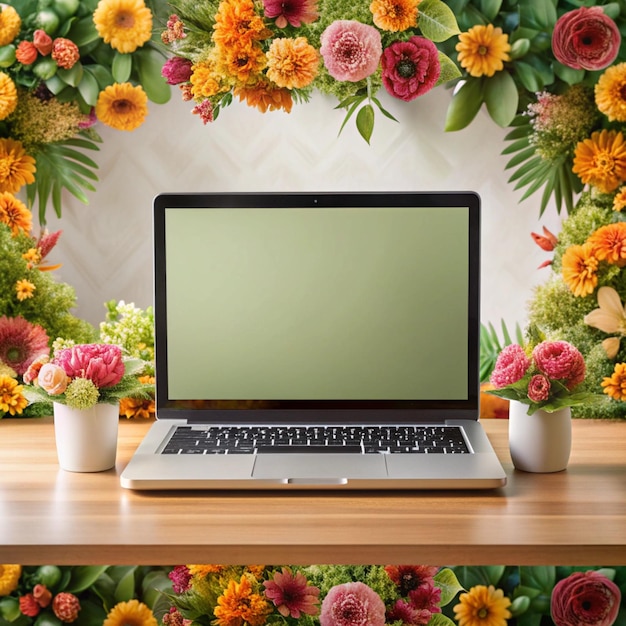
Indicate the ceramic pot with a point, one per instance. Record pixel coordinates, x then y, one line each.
86 439
540 442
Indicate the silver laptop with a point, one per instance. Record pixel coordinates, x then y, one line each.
316 341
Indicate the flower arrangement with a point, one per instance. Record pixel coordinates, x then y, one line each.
547 375
65 65
84 375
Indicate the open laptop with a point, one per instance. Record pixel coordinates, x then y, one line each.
316 341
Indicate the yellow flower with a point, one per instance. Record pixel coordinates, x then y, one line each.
25 289
124 24
14 214
483 50
8 96
131 613
609 317
122 106
9 577
244 63
394 15
32 256
239 605
10 24
579 266
619 201
12 401
610 91
601 160
614 386
16 167
483 606
205 80
292 63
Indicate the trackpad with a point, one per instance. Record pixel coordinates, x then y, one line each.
323 466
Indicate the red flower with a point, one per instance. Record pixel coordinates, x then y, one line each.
66 607
29 606
65 52
410 68
585 599
101 363
586 38
292 595
410 577
21 342
539 388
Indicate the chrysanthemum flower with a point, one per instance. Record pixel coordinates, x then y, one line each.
237 24
352 604
122 106
21 342
614 385
483 50
132 612
16 167
9 578
511 365
292 12
8 96
292 63
12 400
10 24
579 268
291 594
610 92
483 606
351 50
394 15
239 604
244 63
609 242
124 24
15 214
600 160
265 97
24 289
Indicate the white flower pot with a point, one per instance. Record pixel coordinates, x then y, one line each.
86 439
540 442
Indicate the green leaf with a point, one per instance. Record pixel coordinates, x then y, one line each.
540 577
84 576
449 584
567 74
88 88
538 14
529 77
489 8
439 619
465 104
83 32
102 75
501 98
365 121
72 76
148 63
449 69
121 67
125 589
520 605
437 21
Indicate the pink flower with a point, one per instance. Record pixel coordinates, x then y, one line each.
176 70
410 68
205 111
292 12
405 612
99 362
560 360
586 38
351 50
181 578
585 599
511 365
352 604
292 595
427 597
52 379
539 388
47 242
21 342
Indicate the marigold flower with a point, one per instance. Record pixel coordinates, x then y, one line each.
8 96
237 24
205 80
394 15
24 289
240 605
124 24
292 63
26 53
483 50
9 578
619 200
265 97
14 214
131 612
16 167
586 38
65 52
579 268
483 606
610 243
291 12
10 24
43 42
122 106
244 63
614 385
600 161
13 402
351 50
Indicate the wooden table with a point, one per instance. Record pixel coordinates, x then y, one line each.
575 517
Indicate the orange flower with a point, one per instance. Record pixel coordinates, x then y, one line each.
12 400
137 407
16 167
244 62
26 53
615 385
8 96
205 82
394 15
236 24
25 289
239 605
292 63
122 106
483 50
601 160
619 201
610 92
610 243
579 269
65 53
14 214
265 98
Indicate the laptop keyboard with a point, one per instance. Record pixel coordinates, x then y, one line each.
317 439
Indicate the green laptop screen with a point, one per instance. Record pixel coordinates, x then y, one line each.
328 303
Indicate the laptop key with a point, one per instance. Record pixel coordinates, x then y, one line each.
309 449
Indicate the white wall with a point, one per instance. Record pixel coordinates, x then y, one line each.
106 246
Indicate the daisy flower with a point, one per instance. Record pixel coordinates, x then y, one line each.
12 400
483 606
579 267
614 385
122 106
610 93
291 594
21 342
131 612
483 50
124 24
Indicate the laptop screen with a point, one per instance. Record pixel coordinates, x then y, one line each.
316 301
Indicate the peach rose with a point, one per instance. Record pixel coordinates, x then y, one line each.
52 379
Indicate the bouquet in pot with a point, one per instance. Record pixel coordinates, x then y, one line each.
84 375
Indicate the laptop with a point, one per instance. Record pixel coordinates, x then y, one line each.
316 341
